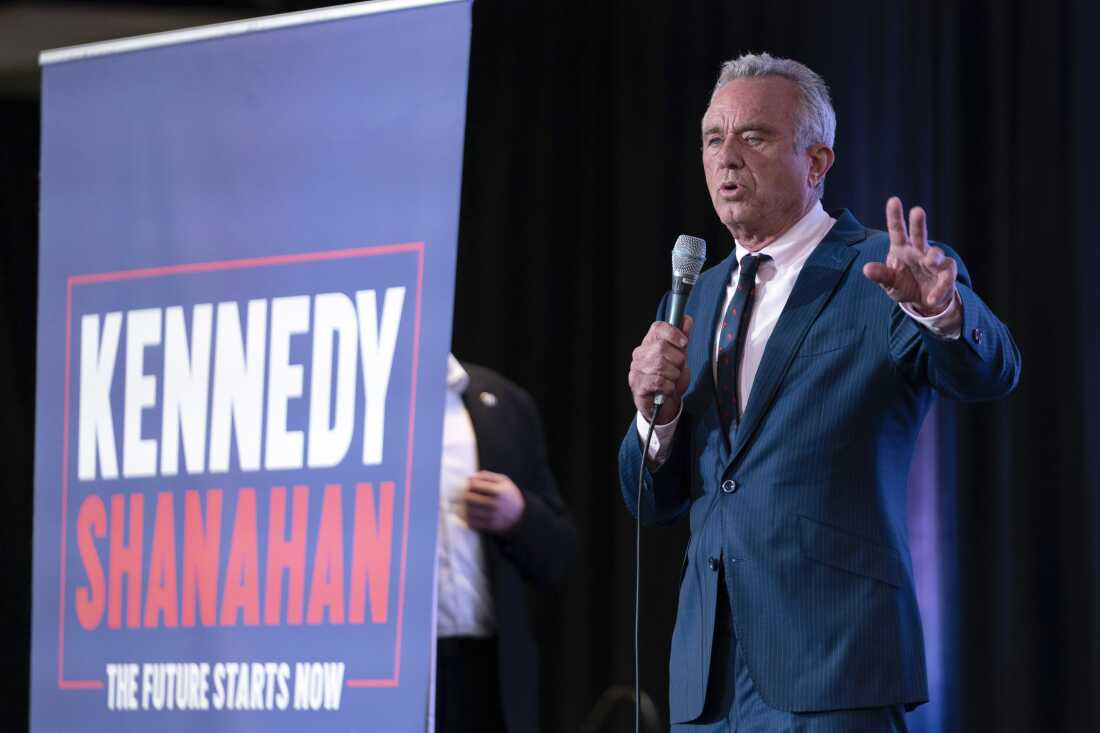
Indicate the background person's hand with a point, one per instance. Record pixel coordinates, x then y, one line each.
494 503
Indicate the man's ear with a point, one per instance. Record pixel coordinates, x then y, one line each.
821 160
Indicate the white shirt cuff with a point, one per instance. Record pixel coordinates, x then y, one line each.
946 325
661 443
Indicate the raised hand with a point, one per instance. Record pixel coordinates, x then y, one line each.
919 276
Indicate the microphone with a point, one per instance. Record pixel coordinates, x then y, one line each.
688 256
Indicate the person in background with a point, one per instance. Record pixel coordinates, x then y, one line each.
502 526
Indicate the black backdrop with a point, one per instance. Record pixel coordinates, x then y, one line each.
581 167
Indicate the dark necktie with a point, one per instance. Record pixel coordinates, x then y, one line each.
732 341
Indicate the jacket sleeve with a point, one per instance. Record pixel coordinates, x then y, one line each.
665 494
982 364
544 543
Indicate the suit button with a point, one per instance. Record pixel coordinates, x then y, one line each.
713 564
729 486
976 334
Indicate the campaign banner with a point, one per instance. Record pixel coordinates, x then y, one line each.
247 251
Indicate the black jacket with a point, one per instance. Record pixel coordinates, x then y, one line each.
538 551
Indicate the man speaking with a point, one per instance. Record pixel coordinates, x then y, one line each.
793 398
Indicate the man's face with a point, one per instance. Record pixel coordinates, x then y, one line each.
758 181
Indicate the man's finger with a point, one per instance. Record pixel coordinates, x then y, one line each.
474 499
654 357
879 273
657 385
945 285
895 222
489 475
672 357
476 510
479 520
659 367
661 331
918 228
481 516
933 258
483 487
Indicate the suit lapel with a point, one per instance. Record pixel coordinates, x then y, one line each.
819 278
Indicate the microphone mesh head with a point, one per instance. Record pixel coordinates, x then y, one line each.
688 256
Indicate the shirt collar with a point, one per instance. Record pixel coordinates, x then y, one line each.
795 244
457 377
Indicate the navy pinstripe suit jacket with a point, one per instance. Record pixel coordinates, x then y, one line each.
813 538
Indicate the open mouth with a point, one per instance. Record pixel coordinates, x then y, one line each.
729 188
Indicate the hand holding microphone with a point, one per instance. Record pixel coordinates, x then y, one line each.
658 369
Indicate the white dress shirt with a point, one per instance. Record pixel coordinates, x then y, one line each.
775 280
464 601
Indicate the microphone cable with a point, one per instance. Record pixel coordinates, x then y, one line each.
638 569
689 254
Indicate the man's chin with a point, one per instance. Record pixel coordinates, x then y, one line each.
735 216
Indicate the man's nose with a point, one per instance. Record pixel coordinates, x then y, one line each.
729 156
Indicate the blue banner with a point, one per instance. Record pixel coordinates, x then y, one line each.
248 239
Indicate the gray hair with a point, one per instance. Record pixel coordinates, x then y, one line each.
816 124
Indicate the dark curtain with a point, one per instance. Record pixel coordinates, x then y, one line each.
18 306
581 167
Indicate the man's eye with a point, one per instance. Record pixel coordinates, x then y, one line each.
713 141
753 139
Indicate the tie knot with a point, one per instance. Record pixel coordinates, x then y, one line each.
749 265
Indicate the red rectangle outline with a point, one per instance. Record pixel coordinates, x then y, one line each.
200 267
